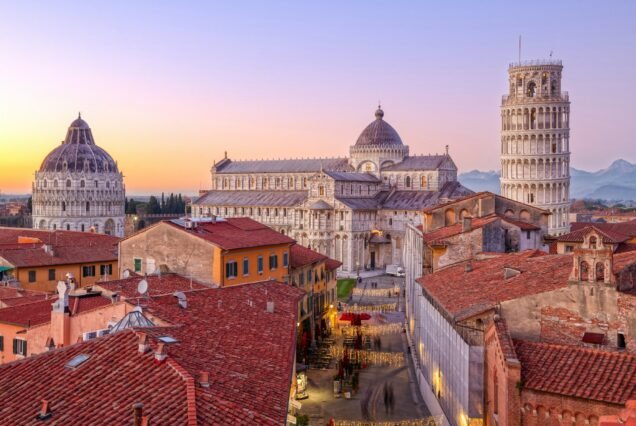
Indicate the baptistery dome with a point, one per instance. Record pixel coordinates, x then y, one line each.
78 153
79 187
379 132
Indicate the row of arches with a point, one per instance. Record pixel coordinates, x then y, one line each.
531 85
535 118
74 184
262 182
535 169
78 208
541 194
535 144
538 415
108 227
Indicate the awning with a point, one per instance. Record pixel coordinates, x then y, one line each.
5 268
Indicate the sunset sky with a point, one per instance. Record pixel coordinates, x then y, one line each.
168 87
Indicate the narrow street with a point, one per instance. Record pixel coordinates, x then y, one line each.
368 403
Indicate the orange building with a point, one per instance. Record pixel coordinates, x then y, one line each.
38 259
214 251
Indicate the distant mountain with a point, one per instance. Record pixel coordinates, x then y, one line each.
614 183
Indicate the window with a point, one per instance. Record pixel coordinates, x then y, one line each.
569 249
273 261
231 269
19 347
106 270
68 183
285 260
63 206
82 184
620 341
137 265
321 190
259 265
68 226
31 276
51 274
246 266
1 343
408 181
301 279
527 235
88 271
88 206
309 275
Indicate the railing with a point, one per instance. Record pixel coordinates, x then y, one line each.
535 62
561 96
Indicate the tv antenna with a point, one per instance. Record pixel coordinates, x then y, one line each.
181 299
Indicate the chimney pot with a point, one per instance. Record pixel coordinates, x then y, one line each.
469 266
270 307
204 379
143 342
138 411
45 410
161 353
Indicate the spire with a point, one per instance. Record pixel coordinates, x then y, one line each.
79 115
379 114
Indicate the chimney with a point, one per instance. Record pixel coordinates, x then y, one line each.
204 379
270 307
143 342
48 249
467 224
45 411
161 353
469 266
138 413
145 421
60 317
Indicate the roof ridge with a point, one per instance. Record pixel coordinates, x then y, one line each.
190 390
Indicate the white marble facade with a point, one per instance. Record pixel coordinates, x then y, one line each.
79 187
352 209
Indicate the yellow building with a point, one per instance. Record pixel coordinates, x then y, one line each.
38 259
216 251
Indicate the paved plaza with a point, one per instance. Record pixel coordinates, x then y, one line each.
368 403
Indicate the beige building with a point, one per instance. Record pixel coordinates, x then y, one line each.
535 140
353 209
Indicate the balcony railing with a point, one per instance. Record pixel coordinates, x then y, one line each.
561 96
536 62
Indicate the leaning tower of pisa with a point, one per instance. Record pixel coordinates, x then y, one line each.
535 140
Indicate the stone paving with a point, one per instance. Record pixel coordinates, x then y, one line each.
368 403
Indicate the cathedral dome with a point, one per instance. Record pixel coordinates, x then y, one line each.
379 132
78 153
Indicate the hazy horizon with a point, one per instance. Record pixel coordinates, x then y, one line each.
168 89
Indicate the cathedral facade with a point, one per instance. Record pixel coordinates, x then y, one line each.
79 187
354 209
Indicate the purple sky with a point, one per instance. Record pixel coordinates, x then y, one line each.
168 88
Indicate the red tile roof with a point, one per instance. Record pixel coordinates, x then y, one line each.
15 301
482 194
303 256
29 314
11 296
459 291
609 236
69 247
623 260
248 352
157 285
39 312
505 342
101 390
332 264
477 223
236 233
625 228
577 372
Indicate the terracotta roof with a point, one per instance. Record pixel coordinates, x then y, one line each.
623 260
609 236
577 371
16 296
459 291
29 314
101 390
481 194
505 342
248 352
236 233
302 256
16 301
157 285
68 247
624 228
79 304
332 264
478 222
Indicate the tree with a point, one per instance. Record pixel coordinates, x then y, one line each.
153 206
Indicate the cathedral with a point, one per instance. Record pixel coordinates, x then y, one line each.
79 187
354 209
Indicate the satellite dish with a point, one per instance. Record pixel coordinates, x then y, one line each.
142 287
181 299
126 274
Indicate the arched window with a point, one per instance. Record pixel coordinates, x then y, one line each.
407 181
600 272
88 206
585 271
44 183
531 89
423 182
68 183
321 190
107 184
82 184
63 206
449 217
593 242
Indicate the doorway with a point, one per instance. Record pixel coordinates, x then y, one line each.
372 260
